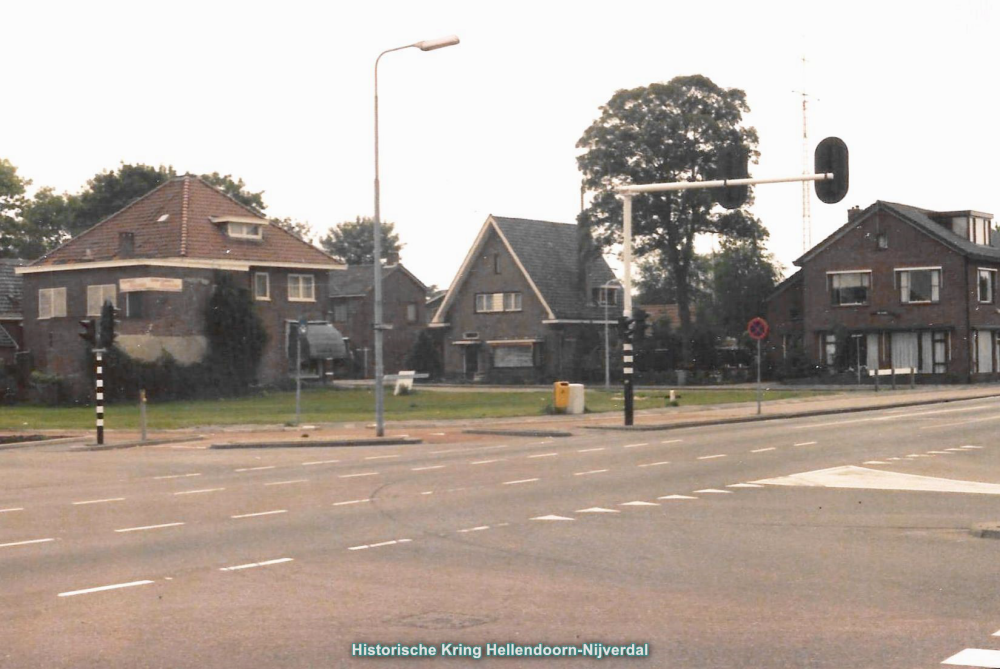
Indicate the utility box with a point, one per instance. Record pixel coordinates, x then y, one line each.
577 402
560 398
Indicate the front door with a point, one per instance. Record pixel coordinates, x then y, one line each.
471 362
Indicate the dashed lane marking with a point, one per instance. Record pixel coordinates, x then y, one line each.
963 422
251 565
438 434
804 443
744 485
761 450
86 591
671 441
352 501
25 543
319 462
480 528
590 450
592 471
712 457
198 492
485 462
544 455
975 657
874 462
287 482
939 452
635 445
520 481
677 497
379 544
12 509
177 476
380 457
552 516
149 527
352 476
714 490
255 469
423 469
638 503
260 513
656 464
99 501
598 509
977 448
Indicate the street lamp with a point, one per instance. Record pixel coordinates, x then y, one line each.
607 352
425 45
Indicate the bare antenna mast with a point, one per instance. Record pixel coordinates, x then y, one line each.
806 167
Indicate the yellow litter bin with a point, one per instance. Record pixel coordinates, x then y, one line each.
561 396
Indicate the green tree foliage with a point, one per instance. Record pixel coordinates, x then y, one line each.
236 189
353 242
236 337
425 356
106 326
45 224
12 203
655 283
300 229
743 274
110 191
660 133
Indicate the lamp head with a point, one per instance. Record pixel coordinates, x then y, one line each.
439 43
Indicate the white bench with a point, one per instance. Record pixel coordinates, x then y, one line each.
404 381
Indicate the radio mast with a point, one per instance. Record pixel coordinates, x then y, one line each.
806 167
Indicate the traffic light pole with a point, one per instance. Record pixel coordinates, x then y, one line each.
99 393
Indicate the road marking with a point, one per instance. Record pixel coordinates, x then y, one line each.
177 476
352 501
978 448
953 450
997 633
251 565
671 441
438 434
422 469
287 482
25 543
656 464
939 452
804 443
592 471
475 529
552 516
715 490
975 657
638 503
16 508
255 469
198 492
598 509
590 450
877 479
677 497
100 501
761 450
485 462
711 457
635 445
149 527
427 492
744 485
963 422
351 476
895 416
520 481
382 543
319 462
874 462
260 513
102 588
380 457
544 455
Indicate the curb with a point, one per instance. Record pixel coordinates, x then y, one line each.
781 416
40 442
133 444
397 441
986 530
521 433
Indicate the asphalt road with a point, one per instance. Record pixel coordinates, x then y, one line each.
702 543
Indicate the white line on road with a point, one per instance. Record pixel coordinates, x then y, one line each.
485 462
352 501
975 657
25 543
520 481
544 455
715 490
893 417
251 565
597 509
148 527
744 485
102 588
592 471
677 497
671 441
711 457
380 457
260 513
874 462
382 543
656 464
978 448
635 445
198 492
287 482
804 443
638 503
255 469
997 633
475 529
319 462
351 476
963 422
12 509
939 452
761 450
427 492
100 501
552 516
438 434
590 450
177 476
422 469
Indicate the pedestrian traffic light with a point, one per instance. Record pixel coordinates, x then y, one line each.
733 163
622 327
831 157
89 331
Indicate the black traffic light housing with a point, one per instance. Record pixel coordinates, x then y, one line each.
831 156
622 327
89 331
733 163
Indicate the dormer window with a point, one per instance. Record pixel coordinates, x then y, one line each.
245 230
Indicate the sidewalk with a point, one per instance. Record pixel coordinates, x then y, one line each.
453 431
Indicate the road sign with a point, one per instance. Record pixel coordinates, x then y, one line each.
757 328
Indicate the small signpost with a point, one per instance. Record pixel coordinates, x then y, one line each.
757 329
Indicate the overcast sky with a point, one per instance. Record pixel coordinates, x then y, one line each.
280 94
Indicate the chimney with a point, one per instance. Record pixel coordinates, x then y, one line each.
126 244
392 258
853 213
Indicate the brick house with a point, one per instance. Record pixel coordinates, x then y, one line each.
11 318
902 287
352 311
527 305
156 260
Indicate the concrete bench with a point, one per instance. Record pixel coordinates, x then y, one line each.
404 381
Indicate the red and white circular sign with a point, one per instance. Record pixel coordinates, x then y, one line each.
757 328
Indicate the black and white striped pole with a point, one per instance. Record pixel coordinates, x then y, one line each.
99 392
627 356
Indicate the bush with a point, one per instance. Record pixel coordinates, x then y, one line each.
47 389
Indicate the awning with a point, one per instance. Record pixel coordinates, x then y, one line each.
323 341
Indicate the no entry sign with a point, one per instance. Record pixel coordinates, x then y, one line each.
757 328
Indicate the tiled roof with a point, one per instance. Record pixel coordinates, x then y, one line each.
174 221
10 287
359 279
6 341
549 253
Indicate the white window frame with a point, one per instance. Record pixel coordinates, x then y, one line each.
829 279
411 312
245 230
903 282
299 280
98 294
55 301
495 303
267 285
993 280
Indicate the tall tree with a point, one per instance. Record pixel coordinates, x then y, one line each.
110 191
353 242
45 223
743 275
659 133
12 203
655 283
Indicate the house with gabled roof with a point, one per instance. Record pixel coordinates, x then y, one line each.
156 261
896 286
352 312
528 304
11 319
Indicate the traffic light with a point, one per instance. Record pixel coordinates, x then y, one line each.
89 331
733 163
622 328
831 156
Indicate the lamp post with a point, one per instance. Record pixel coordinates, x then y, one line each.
425 45
607 351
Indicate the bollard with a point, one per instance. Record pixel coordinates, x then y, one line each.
893 377
142 412
913 377
876 379
673 396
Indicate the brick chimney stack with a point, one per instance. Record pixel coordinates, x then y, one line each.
853 213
